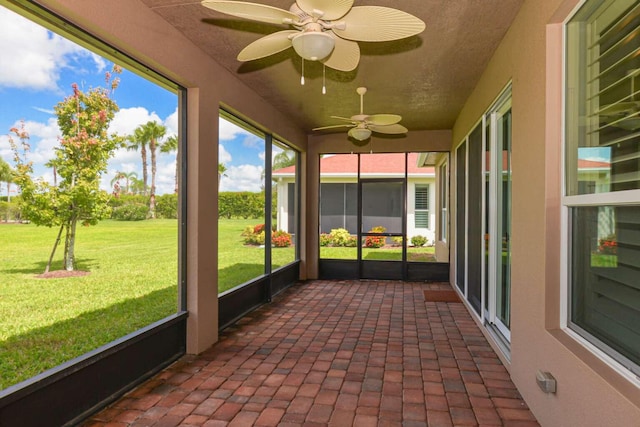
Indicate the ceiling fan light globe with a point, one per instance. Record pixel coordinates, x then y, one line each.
360 133
313 46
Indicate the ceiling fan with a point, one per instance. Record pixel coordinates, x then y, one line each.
323 30
363 124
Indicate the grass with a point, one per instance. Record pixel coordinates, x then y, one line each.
45 322
239 263
422 254
132 283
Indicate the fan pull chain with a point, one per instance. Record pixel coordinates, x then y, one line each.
324 86
302 77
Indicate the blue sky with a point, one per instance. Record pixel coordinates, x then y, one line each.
37 71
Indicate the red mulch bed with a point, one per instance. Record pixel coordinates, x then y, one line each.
57 274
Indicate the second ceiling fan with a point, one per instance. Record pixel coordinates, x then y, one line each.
323 30
363 124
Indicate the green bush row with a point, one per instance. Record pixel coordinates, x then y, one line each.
10 211
132 207
241 204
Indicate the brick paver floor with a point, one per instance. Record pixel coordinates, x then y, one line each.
335 353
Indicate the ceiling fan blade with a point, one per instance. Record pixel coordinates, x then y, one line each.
379 24
253 11
267 45
346 119
383 119
345 55
333 9
395 129
334 127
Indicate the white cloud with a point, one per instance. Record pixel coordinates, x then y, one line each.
228 131
127 120
223 155
33 56
171 123
242 178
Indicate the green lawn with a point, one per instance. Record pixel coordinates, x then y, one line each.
422 254
132 283
239 263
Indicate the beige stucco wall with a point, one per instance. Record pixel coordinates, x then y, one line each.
162 48
590 393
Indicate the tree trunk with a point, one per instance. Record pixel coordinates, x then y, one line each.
152 198
143 152
53 251
69 258
175 188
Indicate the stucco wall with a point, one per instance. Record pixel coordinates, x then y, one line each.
136 31
590 392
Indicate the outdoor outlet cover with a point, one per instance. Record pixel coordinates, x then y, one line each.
546 381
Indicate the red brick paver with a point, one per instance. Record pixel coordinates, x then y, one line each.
335 353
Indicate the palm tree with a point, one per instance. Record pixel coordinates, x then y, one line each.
53 163
171 144
152 132
115 183
128 177
137 141
136 186
6 175
221 172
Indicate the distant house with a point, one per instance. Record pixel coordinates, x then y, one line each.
338 193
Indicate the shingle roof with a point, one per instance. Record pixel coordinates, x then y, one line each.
377 163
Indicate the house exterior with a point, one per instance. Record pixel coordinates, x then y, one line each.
338 191
522 254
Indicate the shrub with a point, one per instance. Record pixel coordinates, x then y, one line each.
608 245
167 206
281 239
258 228
248 231
130 212
339 237
397 240
418 240
255 239
375 241
325 239
9 211
352 242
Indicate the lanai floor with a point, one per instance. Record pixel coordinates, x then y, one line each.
336 353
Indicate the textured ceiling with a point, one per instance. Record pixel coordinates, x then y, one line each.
425 79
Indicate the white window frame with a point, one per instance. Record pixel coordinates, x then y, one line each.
415 205
616 198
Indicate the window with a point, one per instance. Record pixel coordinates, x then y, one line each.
602 173
253 244
422 205
127 264
443 185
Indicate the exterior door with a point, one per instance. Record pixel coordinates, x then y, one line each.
498 221
381 217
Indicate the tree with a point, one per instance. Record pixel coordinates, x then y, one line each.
52 164
150 134
80 159
137 142
284 159
136 186
221 172
127 180
6 175
171 144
